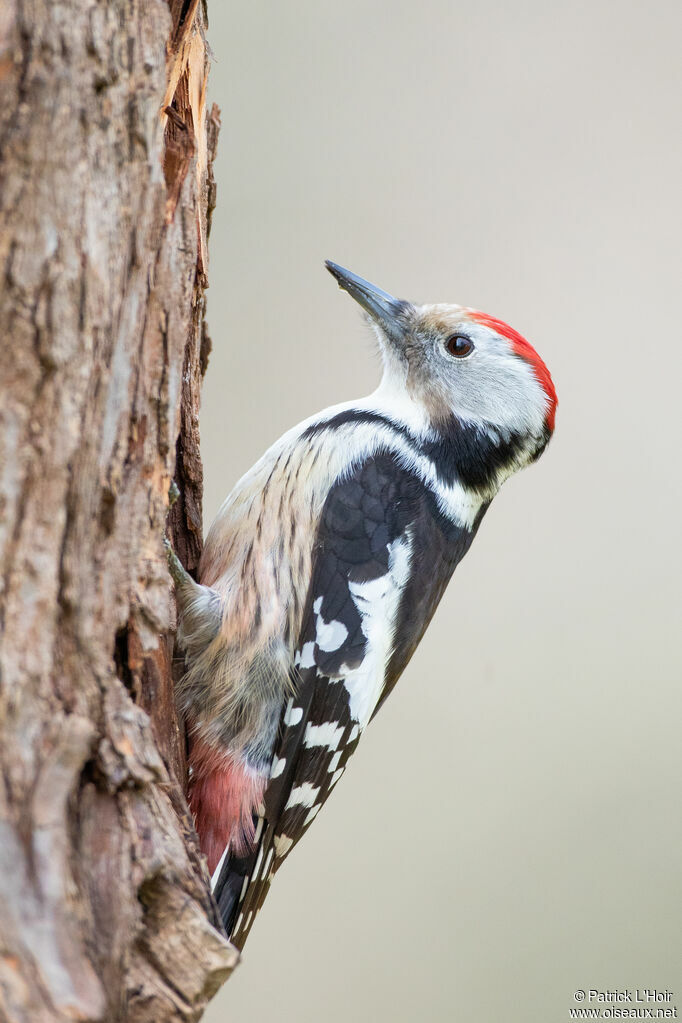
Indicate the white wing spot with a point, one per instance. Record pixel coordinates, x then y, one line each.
282 845
259 829
330 635
377 602
216 873
334 762
257 864
268 861
302 795
354 732
328 734
306 658
293 714
278 765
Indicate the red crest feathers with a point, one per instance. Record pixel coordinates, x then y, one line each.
525 351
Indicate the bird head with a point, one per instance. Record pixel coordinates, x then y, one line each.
460 365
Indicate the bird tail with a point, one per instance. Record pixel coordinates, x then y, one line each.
225 797
229 883
241 882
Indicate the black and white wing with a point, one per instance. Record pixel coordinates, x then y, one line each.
383 557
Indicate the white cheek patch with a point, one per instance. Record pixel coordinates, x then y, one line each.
497 390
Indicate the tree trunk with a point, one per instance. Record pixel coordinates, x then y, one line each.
105 199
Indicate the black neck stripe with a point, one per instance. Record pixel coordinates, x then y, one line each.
356 415
459 452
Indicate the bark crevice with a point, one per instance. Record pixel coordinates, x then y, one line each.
106 191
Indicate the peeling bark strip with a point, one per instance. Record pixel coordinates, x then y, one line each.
105 197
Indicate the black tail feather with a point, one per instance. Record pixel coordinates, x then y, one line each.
230 886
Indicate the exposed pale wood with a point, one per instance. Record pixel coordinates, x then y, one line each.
105 197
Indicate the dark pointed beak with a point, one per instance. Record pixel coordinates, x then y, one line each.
390 313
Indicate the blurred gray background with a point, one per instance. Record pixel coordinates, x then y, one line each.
510 828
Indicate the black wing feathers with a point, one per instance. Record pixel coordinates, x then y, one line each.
364 514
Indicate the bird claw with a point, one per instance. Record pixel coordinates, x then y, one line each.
177 570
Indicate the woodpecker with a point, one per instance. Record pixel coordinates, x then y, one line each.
324 567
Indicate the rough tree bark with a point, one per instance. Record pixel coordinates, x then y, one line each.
105 199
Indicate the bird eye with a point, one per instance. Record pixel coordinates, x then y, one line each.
459 345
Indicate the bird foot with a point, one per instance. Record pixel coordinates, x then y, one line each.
177 570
